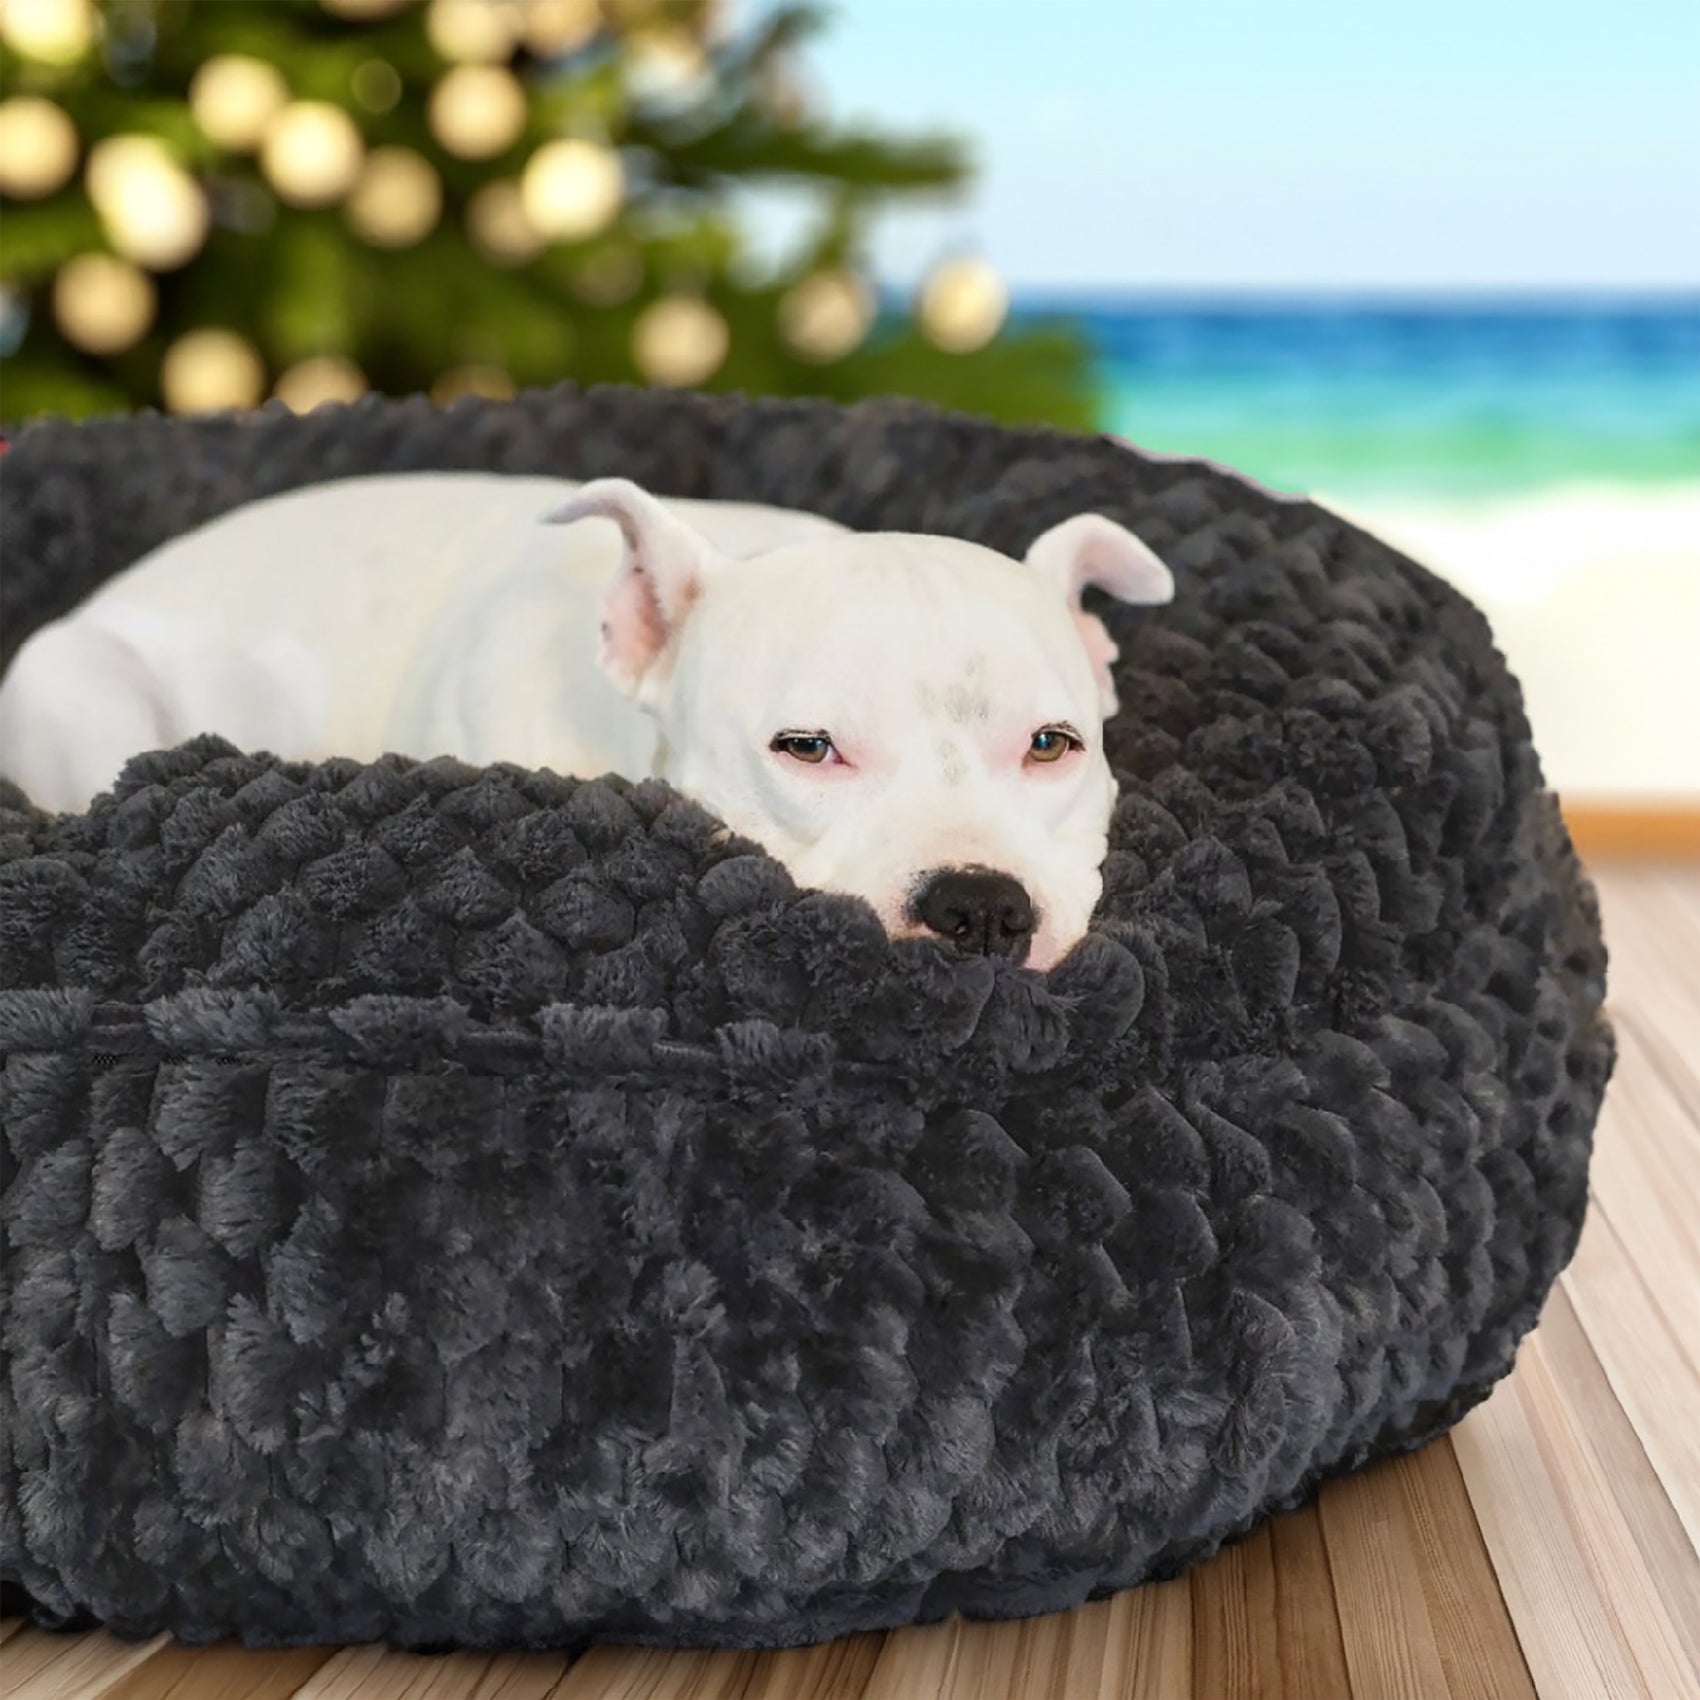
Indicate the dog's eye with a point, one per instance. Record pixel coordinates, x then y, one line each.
1052 743
812 747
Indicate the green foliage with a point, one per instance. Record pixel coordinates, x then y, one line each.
297 283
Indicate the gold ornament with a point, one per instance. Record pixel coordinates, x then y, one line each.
38 147
152 209
322 378
489 381
312 153
52 32
499 227
208 371
573 189
475 32
103 305
826 315
680 340
550 28
962 305
477 111
234 98
397 200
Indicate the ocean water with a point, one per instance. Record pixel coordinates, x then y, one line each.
1407 403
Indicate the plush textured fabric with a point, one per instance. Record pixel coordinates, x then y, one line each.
479 1207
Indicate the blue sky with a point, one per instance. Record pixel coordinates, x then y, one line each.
1293 144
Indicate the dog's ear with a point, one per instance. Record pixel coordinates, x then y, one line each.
662 569
1092 550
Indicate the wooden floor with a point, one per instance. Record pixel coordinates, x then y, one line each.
1547 1547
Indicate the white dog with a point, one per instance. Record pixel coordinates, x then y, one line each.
916 721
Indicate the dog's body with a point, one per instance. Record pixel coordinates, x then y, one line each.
872 709
353 618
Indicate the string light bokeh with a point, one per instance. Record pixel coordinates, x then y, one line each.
153 211
235 99
571 189
49 32
319 379
311 153
478 111
397 199
208 371
38 147
680 340
104 305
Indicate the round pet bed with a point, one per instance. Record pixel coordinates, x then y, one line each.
475 1207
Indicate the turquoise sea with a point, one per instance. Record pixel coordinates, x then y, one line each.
1405 401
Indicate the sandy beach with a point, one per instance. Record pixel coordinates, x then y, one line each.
1594 595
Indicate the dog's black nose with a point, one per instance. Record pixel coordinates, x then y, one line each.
978 910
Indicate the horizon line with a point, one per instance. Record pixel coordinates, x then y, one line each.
1375 295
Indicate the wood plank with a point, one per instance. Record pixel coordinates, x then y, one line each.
1264 1617
1674 1062
40 1666
1589 1620
414 1676
342 1674
378 1673
1666 1551
830 1671
1136 1645
221 1672
1074 1660
1604 828
523 1676
1653 940
1680 884
1036 1655
913 1662
9 1626
1391 1650
997 1661
1472 1628
1148 1645
839 1670
1236 1647
658 1673
1645 1157
1313 1650
1654 1379
1653 949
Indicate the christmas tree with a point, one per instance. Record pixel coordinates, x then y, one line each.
207 202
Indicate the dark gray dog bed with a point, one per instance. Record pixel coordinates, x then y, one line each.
478 1207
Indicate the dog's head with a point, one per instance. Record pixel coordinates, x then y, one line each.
916 721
